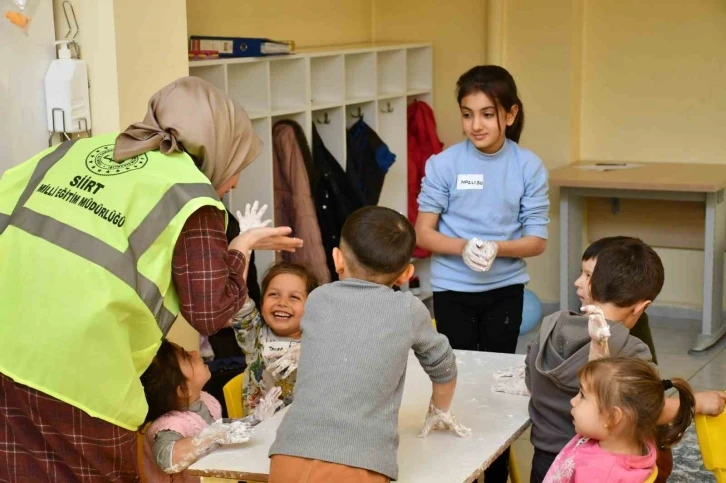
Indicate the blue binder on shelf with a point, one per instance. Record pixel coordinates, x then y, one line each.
240 46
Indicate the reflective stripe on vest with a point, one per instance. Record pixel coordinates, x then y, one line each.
123 265
40 170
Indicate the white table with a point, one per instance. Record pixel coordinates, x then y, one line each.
496 420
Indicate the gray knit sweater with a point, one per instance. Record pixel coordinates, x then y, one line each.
354 350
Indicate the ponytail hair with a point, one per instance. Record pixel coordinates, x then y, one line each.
669 434
634 386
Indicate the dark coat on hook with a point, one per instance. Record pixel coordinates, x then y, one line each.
368 161
335 196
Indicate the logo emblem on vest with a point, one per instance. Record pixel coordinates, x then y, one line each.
101 162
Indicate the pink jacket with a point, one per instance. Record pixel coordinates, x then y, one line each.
185 423
583 461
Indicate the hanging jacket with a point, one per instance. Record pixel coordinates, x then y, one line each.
368 161
335 196
422 144
294 205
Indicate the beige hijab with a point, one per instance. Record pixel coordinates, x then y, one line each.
192 115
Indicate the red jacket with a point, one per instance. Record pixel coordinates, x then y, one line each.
422 144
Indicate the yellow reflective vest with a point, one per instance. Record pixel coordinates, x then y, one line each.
86 294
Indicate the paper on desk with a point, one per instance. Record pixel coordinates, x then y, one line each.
609 166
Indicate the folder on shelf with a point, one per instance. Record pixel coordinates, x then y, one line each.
240 46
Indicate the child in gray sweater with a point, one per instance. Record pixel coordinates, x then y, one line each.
357 334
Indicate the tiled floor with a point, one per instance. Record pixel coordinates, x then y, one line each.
672 338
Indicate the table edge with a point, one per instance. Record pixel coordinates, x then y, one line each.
232 475
508 443
227 474
639 186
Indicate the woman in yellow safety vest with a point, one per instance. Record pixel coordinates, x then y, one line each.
103 242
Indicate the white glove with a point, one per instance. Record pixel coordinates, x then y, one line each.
268 405
252 217
221 433
599 331
438 419
286 364
510 381
212 437
479 255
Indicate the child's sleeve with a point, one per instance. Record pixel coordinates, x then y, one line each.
163 446
246 324
434 195
535 203
431 348
636 349
532 350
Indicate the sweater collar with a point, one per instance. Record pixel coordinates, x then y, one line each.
361 283
489 157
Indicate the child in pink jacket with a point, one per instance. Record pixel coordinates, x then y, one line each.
616 419
185 422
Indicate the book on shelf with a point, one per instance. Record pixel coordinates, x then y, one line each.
241 46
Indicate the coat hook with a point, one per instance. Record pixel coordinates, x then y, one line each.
73 41
388 108
326 119
357 115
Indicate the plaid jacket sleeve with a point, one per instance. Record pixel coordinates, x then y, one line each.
206 274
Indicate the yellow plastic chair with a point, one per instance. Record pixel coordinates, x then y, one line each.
711 431
513 470
652 476
233 396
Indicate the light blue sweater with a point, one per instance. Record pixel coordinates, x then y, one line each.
502 196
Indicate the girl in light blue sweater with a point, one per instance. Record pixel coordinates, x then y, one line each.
483 208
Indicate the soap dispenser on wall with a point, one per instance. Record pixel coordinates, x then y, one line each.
67 99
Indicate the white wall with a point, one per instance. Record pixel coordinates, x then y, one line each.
97 38
24 59
653 90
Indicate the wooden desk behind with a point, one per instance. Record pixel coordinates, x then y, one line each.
700 183
677 177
